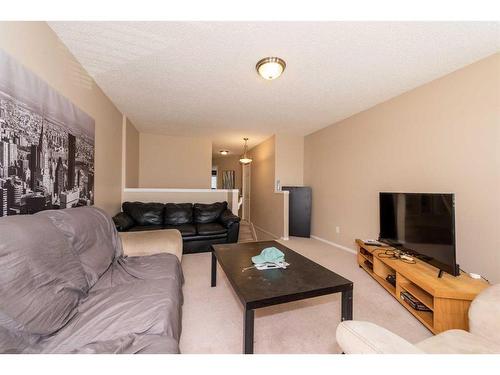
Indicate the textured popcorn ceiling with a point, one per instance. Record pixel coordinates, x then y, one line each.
199 78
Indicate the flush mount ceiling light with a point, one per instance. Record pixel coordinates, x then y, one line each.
270 67
244 158
224 152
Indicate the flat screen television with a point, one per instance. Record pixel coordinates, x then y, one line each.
422 224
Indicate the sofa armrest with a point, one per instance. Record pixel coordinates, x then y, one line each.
227 218
233 233
123 222
152 242
358 337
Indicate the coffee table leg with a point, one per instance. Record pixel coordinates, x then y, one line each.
248 332
347 305
214 270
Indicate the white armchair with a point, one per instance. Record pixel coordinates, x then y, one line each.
358 337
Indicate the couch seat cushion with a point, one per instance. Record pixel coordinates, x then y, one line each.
209 229
178 213
185 229
145 213
133 268
131 344
362 337
457 341
135 307
140 228
208 213
211 238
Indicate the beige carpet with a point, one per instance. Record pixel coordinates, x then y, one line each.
213 317
246 232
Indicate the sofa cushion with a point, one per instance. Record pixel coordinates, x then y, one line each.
143 299
197 244
361 337
185 229
141 228
16 342
210 229
151 267
484 314
145 213
131 343
178 213
141 308
457 341
208 213
92 235
206 238
41 278
123 222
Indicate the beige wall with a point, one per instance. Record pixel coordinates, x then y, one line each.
37 47
228 163
289 160
267 207
441 137
174 162
131 155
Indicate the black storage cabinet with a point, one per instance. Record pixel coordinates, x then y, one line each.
299 218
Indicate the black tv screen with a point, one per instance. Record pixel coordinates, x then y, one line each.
422 224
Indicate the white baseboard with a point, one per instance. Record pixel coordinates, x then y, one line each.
345 248
265 231
254 234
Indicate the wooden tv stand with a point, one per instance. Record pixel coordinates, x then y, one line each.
447 297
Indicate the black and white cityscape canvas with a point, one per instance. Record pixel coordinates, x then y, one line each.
46 145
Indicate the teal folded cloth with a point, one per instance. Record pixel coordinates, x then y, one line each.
269 255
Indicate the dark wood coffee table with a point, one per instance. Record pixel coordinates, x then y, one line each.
255 289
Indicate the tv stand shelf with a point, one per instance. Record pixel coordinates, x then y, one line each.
448 298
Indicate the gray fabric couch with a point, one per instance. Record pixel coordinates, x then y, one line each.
66 287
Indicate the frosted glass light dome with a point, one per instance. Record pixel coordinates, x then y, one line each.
270 67
244 158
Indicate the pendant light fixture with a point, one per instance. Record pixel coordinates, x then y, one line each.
244 158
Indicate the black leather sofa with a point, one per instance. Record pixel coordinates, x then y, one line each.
201 225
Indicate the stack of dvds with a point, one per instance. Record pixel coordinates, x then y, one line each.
413 302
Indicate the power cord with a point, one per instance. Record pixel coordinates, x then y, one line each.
396 255
484 278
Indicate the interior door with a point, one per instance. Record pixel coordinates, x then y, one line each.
246 175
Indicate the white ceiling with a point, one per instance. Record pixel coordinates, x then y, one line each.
199 78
